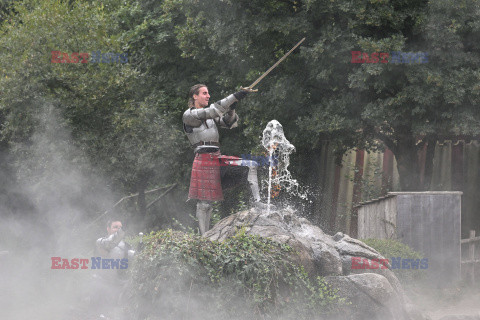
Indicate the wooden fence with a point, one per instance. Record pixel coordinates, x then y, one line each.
471 265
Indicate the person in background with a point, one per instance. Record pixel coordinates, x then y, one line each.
110 283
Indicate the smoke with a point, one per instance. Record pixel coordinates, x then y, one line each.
48 208
46 211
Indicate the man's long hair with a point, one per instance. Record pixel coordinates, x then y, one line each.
194 90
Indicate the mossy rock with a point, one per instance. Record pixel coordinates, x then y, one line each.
180 275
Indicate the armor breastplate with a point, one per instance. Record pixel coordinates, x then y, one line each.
207 131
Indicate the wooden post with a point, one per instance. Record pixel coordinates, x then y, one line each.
471 256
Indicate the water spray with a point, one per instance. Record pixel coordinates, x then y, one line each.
274 141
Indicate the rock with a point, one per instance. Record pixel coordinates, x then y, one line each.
371 294
374 293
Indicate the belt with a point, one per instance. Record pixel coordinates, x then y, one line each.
206 143
207 150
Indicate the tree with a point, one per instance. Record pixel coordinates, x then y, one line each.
127 116
408 105
96 102
320 91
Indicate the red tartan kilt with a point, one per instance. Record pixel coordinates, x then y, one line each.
205 182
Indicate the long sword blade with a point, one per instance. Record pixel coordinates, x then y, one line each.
275 65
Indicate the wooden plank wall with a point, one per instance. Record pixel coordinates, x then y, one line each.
429 222
377 219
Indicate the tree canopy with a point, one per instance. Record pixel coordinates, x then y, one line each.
125 118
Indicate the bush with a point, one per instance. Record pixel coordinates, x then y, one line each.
185 276
391 249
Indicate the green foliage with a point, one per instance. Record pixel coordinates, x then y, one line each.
317 93
125 118
245 277
391 248
102 108
394 103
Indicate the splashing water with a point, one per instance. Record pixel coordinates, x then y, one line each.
275 142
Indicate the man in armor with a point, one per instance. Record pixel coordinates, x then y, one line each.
110 283
113 246
211 171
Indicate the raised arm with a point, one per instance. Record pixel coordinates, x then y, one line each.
110 242
194 117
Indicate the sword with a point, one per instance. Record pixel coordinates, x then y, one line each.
250 87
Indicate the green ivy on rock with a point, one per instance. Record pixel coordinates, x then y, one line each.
249 277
